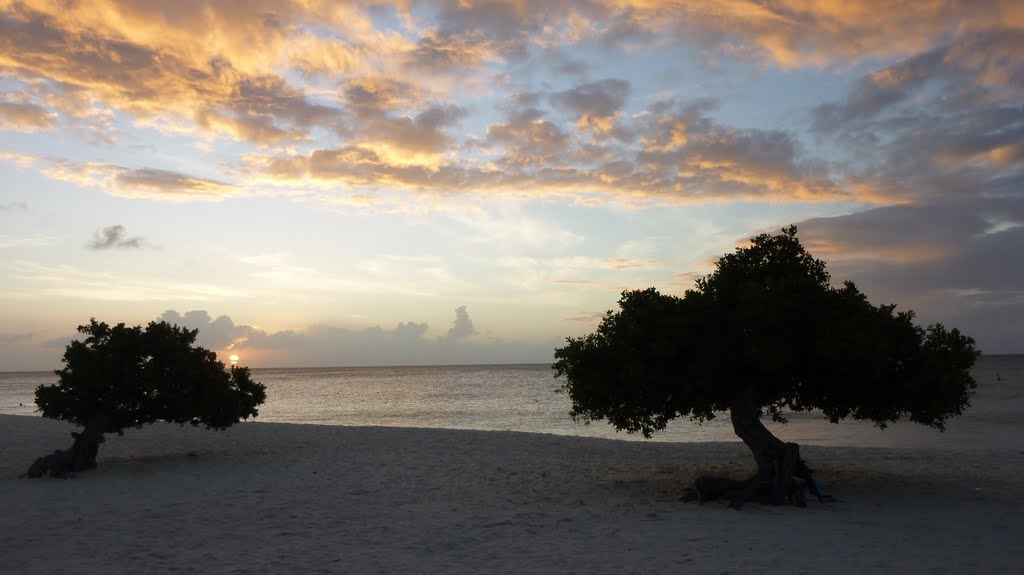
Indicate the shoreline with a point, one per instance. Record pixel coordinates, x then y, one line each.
274 497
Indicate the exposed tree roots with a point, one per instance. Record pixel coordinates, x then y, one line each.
787 481
79 457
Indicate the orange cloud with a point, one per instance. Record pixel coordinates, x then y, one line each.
25 117
624 264
198 66
290 73
792 33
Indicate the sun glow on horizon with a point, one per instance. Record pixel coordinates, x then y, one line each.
234 359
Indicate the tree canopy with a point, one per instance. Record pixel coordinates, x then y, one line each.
766 325
130 376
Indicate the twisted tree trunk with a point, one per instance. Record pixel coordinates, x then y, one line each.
772 479
781 475
80 456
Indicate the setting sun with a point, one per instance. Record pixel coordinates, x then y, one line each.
234 359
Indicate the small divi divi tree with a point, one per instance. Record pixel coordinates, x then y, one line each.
120 377
764 333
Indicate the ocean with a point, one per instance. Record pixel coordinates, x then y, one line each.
524 398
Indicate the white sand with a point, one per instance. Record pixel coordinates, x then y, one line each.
279 498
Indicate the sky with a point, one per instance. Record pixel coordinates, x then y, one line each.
315 183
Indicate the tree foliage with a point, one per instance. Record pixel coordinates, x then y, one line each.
130 376
767 324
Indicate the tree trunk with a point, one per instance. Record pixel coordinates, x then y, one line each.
781 475
87 443
80 456
769 451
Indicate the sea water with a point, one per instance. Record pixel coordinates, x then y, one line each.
526 398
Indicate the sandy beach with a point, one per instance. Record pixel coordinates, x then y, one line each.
281 498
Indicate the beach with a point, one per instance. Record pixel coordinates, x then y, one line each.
287 498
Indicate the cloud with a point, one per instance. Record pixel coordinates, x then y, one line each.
30 281
435 52
115 237
148 183
151 65
13 206
219 333
680 155
34 240
224 68
603 286
567 66
408 343
952 261
595 105
625 264
938 134
528 141
395 120
587 317
315 85
786 33
373 96
462 326
25 117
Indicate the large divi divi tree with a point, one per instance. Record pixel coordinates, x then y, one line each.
120 377
765 333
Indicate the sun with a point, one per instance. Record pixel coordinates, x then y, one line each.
234 359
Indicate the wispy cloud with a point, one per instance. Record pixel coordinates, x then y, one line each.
34 240
148 183
587 317
30 281
625 264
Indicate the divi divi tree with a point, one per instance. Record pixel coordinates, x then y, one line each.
765 333
121 377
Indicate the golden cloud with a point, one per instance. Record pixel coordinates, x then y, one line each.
291 73
25 117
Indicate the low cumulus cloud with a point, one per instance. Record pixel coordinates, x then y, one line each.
462 326
407 343
115 237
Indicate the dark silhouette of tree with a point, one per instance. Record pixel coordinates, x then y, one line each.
765 332
121 377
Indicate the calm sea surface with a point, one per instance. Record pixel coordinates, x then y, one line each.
523 398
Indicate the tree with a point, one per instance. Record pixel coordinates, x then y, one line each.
764 333
121 377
